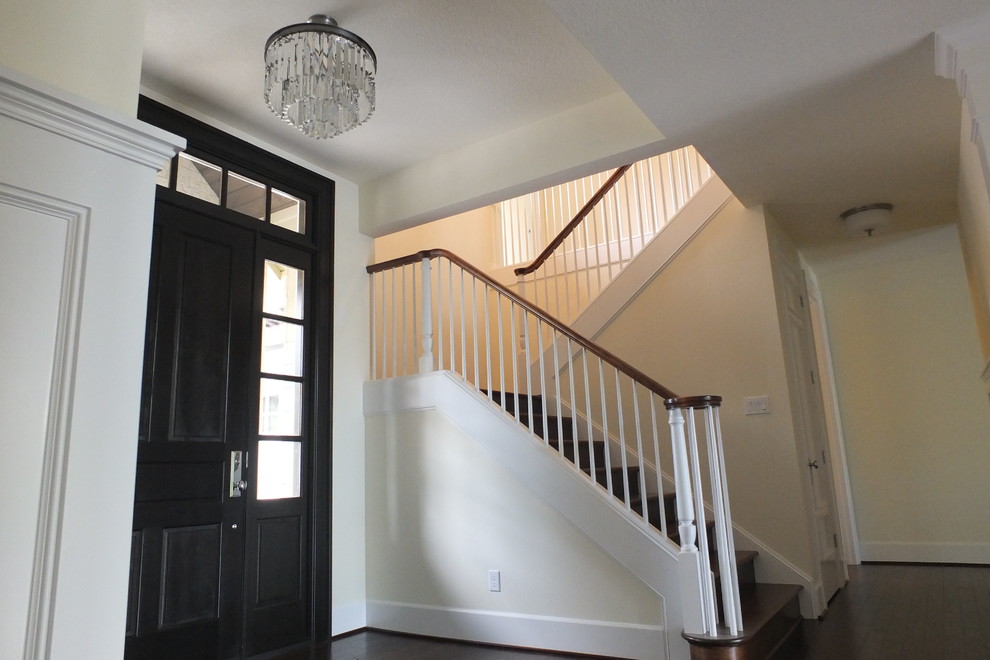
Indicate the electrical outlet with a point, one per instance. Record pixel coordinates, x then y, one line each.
494 580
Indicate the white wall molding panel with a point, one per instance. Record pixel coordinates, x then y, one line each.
76 206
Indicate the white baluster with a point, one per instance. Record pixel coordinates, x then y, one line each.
426 358
486 301
558 395
415 289
524 319
438 326
575 440
515 361
405 328
501 352
474 323
395 350
622 439
587 413
464 367
656 461
374 327
451 347
639 452
542 385
605 433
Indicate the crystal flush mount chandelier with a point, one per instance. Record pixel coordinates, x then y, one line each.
319 77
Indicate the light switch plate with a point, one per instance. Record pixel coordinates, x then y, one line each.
757 405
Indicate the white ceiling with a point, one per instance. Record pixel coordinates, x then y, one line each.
807 106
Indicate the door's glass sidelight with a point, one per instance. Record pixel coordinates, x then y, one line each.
281 407
281 347
278 469
284 290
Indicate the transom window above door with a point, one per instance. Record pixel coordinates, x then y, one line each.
218 185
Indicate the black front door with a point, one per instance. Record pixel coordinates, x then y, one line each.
220 565
230 545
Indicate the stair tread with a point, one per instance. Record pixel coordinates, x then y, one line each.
742 557
760 602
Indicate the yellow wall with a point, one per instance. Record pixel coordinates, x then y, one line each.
914 414
88 47
708 325
974 227
468 235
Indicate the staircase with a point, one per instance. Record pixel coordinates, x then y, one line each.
771 614
603 419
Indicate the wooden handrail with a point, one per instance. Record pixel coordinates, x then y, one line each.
606 356
573 224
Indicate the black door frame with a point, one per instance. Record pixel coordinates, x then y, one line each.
223 149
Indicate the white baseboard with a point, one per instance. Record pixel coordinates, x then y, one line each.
946 553
614 640
347 617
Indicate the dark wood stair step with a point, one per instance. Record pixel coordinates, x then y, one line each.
653 509
584 450
511 398
618 486
558 428
771 627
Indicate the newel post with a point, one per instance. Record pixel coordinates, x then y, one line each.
426 359
697 583
687 531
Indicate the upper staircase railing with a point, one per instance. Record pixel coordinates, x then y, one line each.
590 238
433 311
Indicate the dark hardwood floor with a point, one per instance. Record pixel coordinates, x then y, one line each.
886 612
907 612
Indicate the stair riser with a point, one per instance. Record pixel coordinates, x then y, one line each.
584 451
618 487
523 401
557 428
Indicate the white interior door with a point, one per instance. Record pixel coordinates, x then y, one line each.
809 422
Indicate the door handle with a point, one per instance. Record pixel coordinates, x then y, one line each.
813 464
237 484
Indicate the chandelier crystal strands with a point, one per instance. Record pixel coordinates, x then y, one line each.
319 77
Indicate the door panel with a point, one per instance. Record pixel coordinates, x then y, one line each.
190 566
203 320
278 581
189 533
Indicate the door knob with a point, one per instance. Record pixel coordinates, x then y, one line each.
238 461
